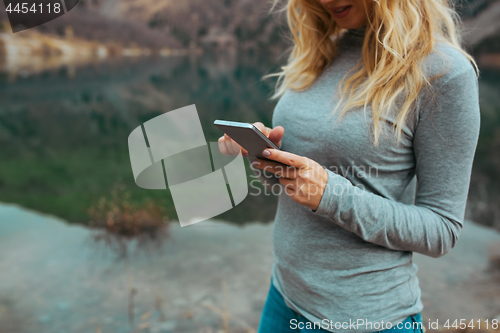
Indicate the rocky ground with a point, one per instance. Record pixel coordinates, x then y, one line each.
209 277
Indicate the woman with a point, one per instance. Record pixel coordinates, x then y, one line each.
377 98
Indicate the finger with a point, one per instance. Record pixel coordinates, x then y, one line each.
261 127
276 134
289 191
277 168
222 146
265 164
233 147
288 186
227 148
286 158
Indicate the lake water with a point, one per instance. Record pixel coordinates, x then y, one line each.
63 133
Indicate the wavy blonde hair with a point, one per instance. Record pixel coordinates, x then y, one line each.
399 35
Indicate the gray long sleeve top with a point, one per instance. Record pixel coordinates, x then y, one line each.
351 259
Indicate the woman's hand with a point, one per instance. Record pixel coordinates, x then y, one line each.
304 180
228 146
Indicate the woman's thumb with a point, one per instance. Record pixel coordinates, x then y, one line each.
276 134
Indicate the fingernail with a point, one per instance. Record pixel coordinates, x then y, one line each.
266 153
245 154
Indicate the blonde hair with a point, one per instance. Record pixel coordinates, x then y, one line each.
399 35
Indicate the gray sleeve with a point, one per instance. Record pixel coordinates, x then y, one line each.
444 142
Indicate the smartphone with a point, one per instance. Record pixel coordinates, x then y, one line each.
246 135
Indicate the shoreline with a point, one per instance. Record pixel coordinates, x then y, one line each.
33 52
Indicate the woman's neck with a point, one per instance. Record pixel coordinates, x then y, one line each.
357 32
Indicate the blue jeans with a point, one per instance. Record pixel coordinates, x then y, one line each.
277 317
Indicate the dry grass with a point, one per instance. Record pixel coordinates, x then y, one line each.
116 222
